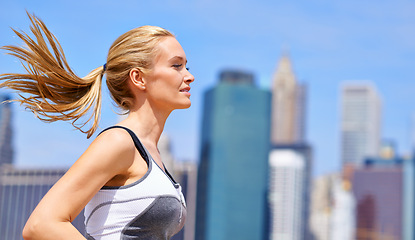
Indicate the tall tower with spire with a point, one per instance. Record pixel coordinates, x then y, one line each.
290 157
288 105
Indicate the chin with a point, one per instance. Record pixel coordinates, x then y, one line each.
184 105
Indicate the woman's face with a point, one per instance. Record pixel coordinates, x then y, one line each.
168 82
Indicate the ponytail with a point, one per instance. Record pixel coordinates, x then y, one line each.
49 88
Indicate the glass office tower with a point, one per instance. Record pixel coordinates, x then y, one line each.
360 122
233 169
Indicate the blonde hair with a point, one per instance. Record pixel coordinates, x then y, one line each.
52 91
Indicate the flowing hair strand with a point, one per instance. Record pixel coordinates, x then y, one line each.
49 88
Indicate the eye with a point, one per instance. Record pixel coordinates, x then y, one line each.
179 66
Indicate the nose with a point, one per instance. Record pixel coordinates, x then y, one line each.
189 78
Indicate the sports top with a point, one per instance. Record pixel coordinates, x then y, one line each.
152 208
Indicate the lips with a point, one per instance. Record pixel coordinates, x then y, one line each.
187 89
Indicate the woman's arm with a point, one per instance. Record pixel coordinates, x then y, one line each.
112 153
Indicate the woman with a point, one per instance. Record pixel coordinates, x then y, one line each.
120 180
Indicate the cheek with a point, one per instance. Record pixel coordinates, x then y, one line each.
170 78
163 73
163 83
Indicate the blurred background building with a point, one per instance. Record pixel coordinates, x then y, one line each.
378 189
289 191
290 159
332 208
288 120
6 134
232 177
321 207
360 122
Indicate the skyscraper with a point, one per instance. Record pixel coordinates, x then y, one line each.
360 123
289 191
290 157
6 148
288 105
233 169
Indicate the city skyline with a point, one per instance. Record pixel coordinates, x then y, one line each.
328 43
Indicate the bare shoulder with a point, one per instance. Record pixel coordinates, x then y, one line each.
110 154
115 139
113 148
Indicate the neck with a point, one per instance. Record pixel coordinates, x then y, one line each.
147 122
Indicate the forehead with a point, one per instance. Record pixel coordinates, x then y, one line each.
169 48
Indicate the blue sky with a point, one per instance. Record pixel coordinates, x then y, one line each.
329 42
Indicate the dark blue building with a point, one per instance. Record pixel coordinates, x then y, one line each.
233 169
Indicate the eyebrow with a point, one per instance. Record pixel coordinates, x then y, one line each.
177 57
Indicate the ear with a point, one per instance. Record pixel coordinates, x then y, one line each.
136 78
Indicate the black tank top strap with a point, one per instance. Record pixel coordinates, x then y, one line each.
136 141
169 175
